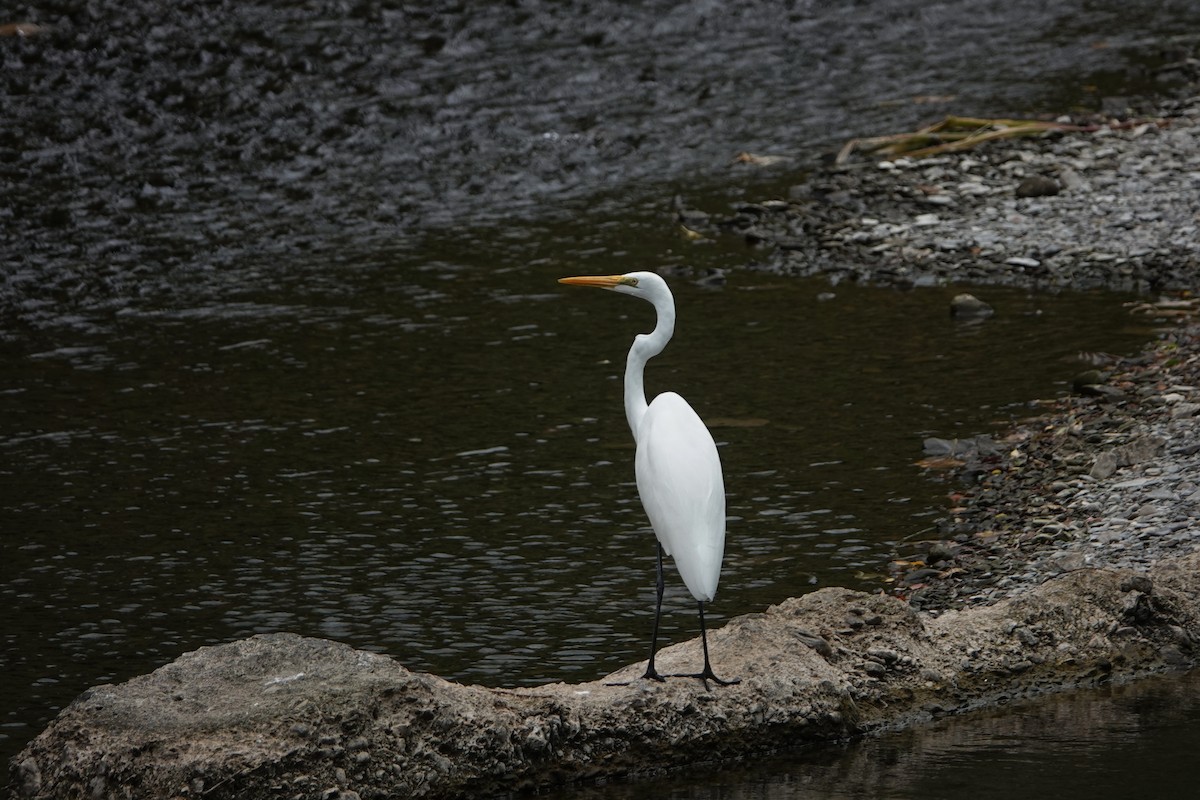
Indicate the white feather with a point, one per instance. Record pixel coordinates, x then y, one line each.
679 480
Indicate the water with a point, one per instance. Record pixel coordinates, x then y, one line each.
282 348
1105 744
447 477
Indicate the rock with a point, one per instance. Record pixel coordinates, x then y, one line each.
874 669
283 715
1137 583
1126 455
939 552
1038 186
1105 465
818 643
981 445
1087 379
969 307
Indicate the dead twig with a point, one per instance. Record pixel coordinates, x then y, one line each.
954 134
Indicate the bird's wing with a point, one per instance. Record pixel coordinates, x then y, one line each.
679 480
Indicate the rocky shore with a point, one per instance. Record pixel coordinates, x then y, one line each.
1068 560
1107 478
1113 207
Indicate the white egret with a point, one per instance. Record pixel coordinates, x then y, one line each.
677 466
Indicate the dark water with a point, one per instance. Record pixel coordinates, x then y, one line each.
1113 743
447 477
282 349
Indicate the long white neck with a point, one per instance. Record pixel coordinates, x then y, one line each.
645 347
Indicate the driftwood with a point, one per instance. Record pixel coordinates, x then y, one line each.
286 716
955 134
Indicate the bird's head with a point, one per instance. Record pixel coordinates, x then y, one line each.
645 285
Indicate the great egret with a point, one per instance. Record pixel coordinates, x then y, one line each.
677 466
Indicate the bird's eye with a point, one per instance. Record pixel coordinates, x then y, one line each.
629 281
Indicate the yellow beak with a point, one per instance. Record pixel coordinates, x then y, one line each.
601 281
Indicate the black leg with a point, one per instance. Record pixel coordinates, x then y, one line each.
706 674
651 672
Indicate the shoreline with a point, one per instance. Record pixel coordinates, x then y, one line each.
1108 476
1113 209
1105 478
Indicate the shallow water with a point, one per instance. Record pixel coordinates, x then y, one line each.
1104 744
282 348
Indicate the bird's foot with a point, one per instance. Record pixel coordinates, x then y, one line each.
707 675
651 674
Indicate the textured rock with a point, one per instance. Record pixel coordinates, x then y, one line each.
285 716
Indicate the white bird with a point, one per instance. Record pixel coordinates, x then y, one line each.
677 466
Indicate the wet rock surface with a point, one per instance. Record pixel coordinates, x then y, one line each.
285 716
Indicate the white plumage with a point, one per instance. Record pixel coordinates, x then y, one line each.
679 480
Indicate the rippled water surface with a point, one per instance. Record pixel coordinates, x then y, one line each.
437 465
281 346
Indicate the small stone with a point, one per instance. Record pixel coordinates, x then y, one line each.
939 552
1038 186
818 643
968 306
1185 410
1027 637
931 675
1134 483
1086 380
1104 466
883 655
1137 583
1137 609
874 669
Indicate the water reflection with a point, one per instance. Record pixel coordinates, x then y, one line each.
1105 744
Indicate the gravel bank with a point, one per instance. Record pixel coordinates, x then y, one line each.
1115 208
1108 477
